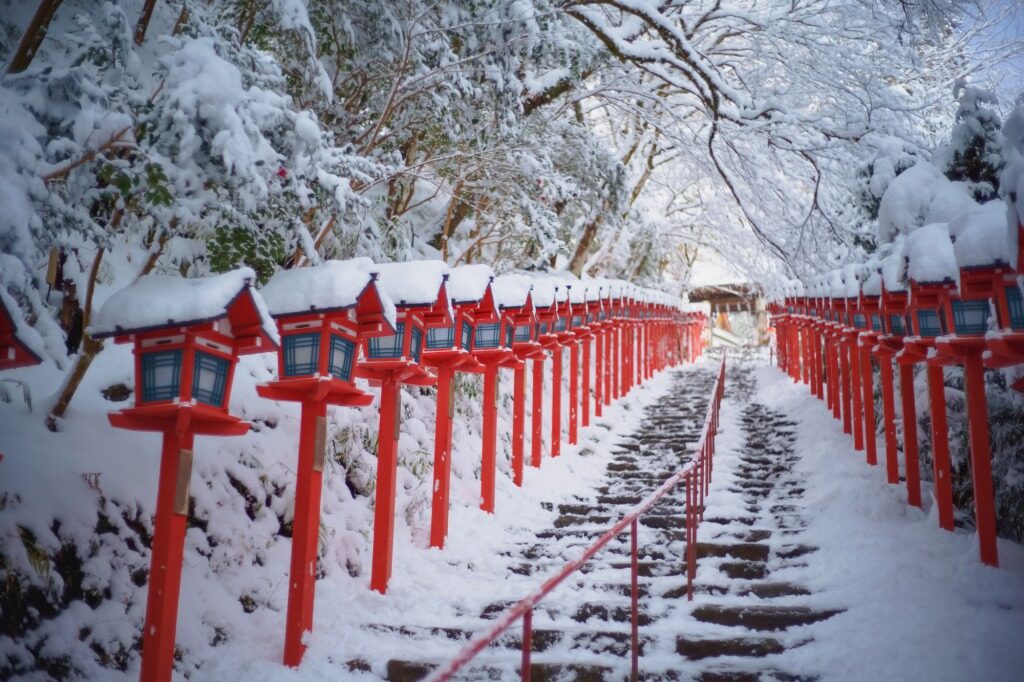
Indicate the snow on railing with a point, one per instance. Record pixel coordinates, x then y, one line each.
696 476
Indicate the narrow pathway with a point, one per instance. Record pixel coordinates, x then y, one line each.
753 605
751 602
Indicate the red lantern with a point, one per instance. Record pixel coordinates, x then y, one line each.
20 345
322 313
187 335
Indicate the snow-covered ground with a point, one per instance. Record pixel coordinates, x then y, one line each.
919 605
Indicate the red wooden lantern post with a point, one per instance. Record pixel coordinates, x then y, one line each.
421 299
546 308
820 326
512 294
893 310
600 325
871 309
20 345
856 322
322 313
577 326
926 322
187 335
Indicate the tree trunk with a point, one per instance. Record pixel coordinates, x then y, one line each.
579 256
143 25
91 347
34 35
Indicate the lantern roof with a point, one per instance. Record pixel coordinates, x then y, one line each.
156 302
980 237
930 255
512 291
12 323
469 283
333 285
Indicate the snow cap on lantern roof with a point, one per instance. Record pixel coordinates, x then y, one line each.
893 267
27 336
980 236
332 285
414 283
468 283
930 255
836 286
511 291
544 292
159 301
872 285
851 279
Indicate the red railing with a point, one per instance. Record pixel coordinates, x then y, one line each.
696 476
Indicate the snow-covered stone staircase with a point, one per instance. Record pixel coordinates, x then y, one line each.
750 606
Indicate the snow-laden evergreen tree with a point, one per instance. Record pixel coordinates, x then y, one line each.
975 151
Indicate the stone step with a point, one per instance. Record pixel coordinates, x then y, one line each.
756 647
748 551
768 617
748 676
412 671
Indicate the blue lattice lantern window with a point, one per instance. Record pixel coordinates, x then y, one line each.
876 322
897 324
387 347
209 378
439 338
860 321
523 333
577 320
301 354
161 375
488 335
342 359
416 344
1015 307
929 323
970 317
560 324
466 337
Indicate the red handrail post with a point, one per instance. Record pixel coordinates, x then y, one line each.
634 612
527 644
